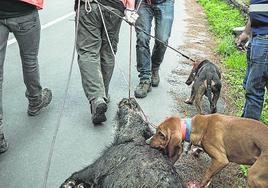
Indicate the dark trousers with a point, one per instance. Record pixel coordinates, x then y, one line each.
26 30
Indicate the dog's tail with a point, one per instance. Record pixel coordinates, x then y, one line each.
209 92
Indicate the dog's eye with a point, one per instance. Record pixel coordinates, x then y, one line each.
162 136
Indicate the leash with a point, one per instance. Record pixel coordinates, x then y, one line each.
88 9
64 102
137 27
130 62
109 41
130 59
112 50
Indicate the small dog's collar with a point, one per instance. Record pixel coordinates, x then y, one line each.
186 129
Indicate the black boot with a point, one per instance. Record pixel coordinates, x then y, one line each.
155 78
98 109
3 143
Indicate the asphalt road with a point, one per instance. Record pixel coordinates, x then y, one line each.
78 142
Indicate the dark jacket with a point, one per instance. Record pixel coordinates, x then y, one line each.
112 3
14 8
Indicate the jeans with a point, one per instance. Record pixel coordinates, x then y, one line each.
95 57
26 30
163 15
256 78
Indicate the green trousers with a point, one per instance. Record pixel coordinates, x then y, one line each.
95 57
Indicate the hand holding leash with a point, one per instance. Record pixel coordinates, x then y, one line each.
242 41
131 16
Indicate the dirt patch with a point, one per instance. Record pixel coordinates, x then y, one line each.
192 169
199 44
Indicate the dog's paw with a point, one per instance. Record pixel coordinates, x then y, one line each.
193 184
188 101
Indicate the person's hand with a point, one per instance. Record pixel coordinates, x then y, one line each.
131 16
241 40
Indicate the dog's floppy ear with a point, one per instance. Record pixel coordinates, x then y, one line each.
161 138
165 136
173 145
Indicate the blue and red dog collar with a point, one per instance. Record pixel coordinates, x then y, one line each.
186 129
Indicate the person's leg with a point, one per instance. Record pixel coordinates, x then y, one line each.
4 31
113 24
88 49
143 55
26 30
164 15
256 79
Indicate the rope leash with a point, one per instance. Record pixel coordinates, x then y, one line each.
88 9
137 27
109 41
130 62
51 151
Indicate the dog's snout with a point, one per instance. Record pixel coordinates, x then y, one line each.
190 79
148 141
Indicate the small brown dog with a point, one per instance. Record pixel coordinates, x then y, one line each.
224 138
207 81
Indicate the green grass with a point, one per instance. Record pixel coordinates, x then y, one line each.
222 19
237 61
244 169
226 46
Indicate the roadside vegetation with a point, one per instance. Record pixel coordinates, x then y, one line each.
222 19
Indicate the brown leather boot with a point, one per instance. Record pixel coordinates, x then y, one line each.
143 88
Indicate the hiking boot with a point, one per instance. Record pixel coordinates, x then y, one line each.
98 109
143 88
3 144
35 108
155 78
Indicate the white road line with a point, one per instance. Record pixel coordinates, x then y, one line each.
12 41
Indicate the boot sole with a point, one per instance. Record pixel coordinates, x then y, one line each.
100 116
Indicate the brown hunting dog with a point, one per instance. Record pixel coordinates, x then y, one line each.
207 81
224 138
